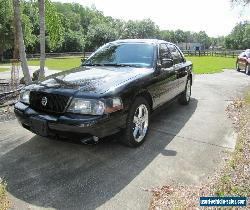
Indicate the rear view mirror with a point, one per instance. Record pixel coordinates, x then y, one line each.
167 63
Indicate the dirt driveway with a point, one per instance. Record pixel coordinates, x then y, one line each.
185 144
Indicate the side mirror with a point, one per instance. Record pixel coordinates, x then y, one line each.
167 63
158 66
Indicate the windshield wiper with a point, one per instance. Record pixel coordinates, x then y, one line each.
93 64
112 64
120 64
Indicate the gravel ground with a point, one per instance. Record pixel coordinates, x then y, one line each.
6 74
7 113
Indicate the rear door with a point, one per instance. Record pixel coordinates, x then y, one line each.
180 68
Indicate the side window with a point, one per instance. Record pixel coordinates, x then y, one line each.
177 57
164 52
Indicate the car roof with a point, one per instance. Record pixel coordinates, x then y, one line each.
149 41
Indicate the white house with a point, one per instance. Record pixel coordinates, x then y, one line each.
190 46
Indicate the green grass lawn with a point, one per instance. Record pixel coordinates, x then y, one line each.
202 65
4 69
209 64
61 63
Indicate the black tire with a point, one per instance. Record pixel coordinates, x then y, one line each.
247 71
127 137
184 98
237 66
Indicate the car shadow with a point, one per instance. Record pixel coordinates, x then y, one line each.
65 175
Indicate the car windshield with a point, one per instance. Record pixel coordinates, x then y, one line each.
123 54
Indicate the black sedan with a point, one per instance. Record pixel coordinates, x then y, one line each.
115 90
243 62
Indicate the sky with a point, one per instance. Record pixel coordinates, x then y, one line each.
216 17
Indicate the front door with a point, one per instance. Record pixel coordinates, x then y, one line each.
180 68
165 82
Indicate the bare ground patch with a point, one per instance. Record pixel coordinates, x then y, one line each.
7 113
4 202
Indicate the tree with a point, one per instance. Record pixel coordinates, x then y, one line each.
144 29
100 34
54 30
73 41
241 2
73 27
54 26
168 35
147 29
180 36
246 37
239 38
5 24
42 38
204 39
218 42
21 46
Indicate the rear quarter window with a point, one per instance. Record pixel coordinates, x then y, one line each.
248 53
242 54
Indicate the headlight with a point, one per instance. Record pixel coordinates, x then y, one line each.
25 96
87 106
94 107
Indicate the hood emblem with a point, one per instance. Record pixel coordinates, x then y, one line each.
44 101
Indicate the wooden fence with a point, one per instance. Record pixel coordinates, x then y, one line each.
222 53
56 55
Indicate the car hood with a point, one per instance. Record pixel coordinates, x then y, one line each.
94 79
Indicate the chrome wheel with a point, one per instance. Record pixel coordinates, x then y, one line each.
188 90
140 122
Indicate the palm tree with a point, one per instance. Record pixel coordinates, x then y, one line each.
21 46
42 38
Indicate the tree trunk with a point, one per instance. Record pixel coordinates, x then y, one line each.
42 38
15 51
19 31
1 53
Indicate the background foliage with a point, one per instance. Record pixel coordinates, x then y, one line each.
75 28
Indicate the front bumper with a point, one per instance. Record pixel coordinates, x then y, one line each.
71 125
